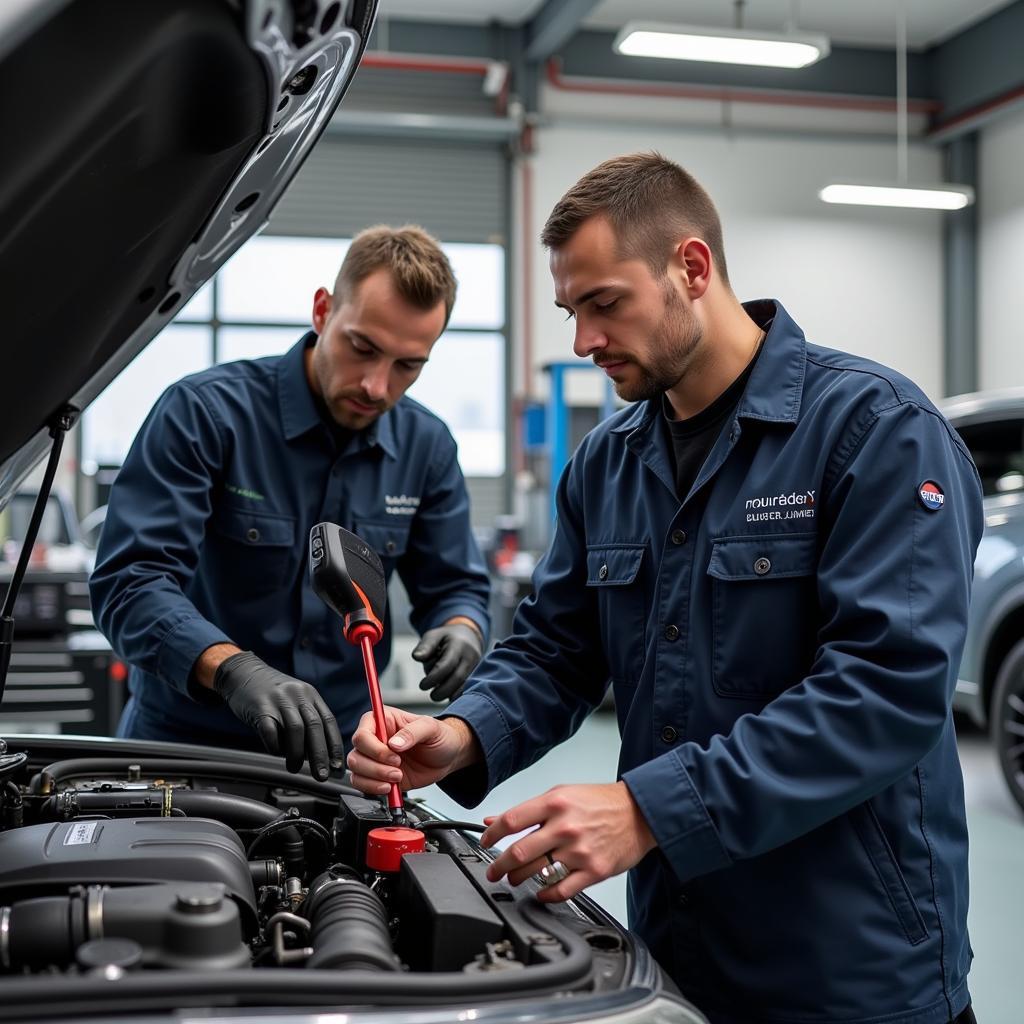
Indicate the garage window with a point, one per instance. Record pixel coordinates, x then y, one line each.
260 304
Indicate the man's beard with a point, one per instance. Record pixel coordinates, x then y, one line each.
672 352
348 418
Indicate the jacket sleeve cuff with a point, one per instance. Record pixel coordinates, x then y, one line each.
180 647
677 817
441 613
485 718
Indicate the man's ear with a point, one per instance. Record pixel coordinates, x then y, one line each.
692 261
323 303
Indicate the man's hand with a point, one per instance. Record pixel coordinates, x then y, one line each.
289 715
430 749
596 831
449 653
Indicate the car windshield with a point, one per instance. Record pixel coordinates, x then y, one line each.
998 450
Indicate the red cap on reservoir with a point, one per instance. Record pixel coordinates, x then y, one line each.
385 846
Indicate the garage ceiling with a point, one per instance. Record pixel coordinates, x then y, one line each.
864 23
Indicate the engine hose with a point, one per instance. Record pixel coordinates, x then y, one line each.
280 824
234 811
101 766
46 930
13 806
442 825
291 832
349 927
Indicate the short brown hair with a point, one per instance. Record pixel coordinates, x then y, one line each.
650 202
419 268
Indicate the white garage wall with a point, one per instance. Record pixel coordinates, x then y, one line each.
1001 252
858 279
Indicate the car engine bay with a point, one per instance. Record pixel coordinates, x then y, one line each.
123 868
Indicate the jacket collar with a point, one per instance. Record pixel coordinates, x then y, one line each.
776 384
299 413
295 400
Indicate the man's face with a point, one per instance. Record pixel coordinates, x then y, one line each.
639 328
371 347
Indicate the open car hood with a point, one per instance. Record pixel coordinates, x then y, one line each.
144 143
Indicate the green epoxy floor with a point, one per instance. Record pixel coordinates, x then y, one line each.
997 852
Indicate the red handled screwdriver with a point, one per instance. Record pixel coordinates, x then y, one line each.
348 576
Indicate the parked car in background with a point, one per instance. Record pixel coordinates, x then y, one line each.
60 545
990 688
64 678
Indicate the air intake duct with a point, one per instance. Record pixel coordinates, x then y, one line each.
349 926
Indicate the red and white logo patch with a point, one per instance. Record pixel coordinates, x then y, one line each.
931 496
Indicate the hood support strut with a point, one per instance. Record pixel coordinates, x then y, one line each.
61 423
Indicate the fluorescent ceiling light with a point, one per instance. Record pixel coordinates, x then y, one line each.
721 46
919 197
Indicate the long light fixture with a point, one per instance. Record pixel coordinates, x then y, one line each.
720 45
920 196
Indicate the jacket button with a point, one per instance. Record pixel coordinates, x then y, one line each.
671 632
762 566
684 899
390 547
669 735
602 573
678 536
252 534
306 642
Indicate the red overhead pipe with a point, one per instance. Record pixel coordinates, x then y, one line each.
979 112
776 98
417 62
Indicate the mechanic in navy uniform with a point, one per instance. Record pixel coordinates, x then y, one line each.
769 558
201 581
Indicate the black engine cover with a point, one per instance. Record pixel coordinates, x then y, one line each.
41 860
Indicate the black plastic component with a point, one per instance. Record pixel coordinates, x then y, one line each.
265 873
357 817
193 927
12 805
41 859
349 927
346 573
124 954
445 922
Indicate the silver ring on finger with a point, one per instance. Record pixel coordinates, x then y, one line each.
553 872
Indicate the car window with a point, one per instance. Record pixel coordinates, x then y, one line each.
52 530
998 450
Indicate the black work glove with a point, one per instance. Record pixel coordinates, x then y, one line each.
289 715
449 653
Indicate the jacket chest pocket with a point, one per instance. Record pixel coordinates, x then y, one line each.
764 613
259 554
614 571
389 540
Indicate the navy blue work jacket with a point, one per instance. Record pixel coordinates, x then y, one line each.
783 646
206 537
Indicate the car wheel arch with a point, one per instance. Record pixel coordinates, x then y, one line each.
1008 617
1010 684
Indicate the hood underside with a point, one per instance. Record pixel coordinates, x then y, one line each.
145 143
